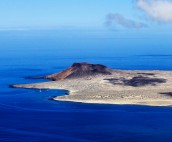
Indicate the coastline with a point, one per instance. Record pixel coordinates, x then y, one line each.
155 103
99 90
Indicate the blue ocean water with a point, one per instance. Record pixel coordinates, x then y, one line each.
28 115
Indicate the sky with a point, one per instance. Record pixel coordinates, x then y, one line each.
56 13
112 15
139 22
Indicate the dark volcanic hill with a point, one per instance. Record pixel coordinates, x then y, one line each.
78 70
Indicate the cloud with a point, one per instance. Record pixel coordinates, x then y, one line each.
160 10
118 19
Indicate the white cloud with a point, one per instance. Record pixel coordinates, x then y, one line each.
160 10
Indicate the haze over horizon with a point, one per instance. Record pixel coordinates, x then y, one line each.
144 25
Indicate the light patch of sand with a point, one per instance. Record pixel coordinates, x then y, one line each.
99 90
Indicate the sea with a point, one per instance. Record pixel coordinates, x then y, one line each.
28 115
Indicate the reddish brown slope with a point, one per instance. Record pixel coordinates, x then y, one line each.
78 70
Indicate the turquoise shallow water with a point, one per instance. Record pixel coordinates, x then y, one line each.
31 116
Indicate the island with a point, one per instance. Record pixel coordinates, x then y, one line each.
95 83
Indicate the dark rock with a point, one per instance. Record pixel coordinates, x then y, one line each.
147 74
166 93
143 81
137 81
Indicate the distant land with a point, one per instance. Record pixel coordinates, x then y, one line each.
95 83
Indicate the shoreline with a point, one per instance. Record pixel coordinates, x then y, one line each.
112 104
102 89
154 103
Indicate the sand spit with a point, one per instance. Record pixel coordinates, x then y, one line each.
153 88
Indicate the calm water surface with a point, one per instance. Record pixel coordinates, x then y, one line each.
31 116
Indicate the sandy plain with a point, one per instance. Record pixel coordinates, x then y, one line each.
153 88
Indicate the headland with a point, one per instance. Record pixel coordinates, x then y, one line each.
95 83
